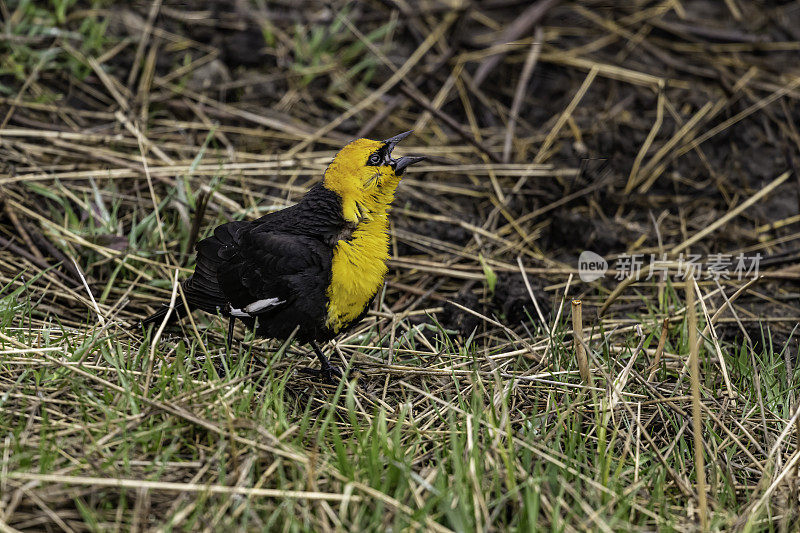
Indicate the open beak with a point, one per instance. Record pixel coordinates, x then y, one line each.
400 165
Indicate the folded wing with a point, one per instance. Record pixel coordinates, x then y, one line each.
247 271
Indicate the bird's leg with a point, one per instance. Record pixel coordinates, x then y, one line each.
324 364
231 324
326 370
220 365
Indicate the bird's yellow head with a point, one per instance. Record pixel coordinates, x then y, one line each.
365 176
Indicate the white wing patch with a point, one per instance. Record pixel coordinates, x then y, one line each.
256 307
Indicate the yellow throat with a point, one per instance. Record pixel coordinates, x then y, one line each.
357 272
364 176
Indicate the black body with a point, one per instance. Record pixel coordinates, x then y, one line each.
285 255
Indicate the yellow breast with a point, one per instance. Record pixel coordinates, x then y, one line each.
357 272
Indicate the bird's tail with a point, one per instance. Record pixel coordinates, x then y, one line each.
158 317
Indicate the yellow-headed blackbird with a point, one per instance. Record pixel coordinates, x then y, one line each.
315 266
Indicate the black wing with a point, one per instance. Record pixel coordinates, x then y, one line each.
248 268
271 269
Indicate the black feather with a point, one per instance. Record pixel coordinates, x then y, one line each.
285 255
158 316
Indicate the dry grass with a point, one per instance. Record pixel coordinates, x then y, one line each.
660 128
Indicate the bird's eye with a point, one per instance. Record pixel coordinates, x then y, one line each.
374 159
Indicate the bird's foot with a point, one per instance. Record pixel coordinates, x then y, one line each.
328 374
